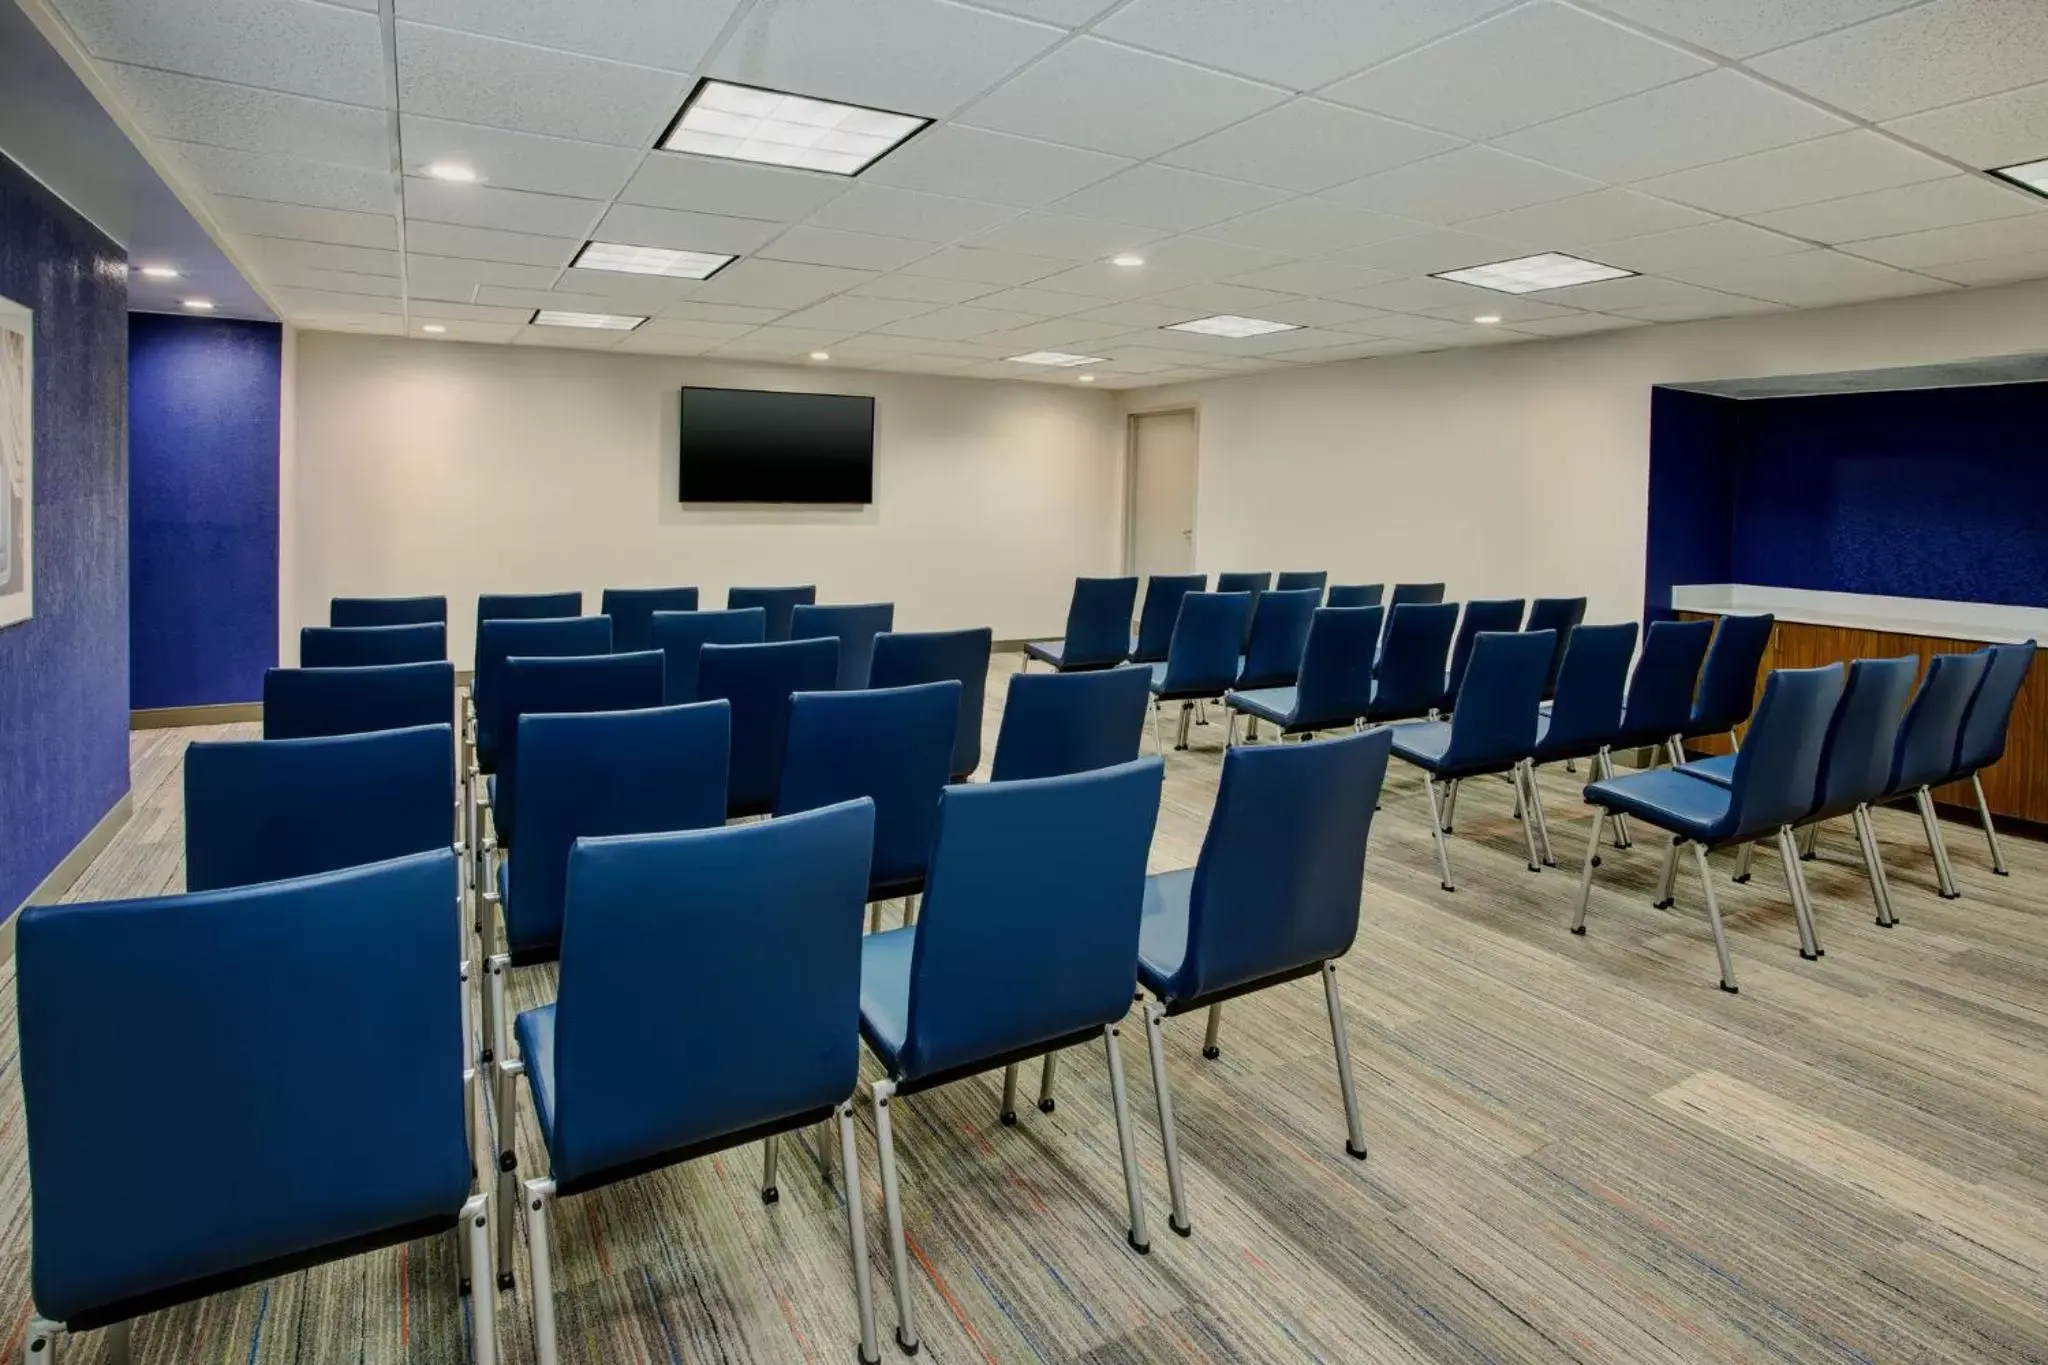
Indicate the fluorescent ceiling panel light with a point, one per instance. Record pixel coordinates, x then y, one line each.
454 172
160 272
604 322
745 123
199 305
1230 325
651 260
1487 319
1055 358
2031 176
1528 274
433 328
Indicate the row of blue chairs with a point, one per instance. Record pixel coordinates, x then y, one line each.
629 608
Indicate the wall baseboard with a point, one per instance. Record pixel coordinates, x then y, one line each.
224 713
71 867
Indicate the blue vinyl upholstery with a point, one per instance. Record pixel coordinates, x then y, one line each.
266 809
1098 626
599 773
1561 614
1298 579
778 603
1411 663
1981 741
1059 723
1202 660
1727 684
549 686
1272 658
386 611
202 1010
529 638
1483 614
759 680
1356 595
1925 752
1029 930
1856 760
853 625
1277 886
371 646
893 746
1162 608
1660 693
299 703
760 923
903 658
525 606
1335 684
1586 713
1494 726
681 634
1255 584
632 613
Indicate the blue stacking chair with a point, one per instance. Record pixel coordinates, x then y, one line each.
854 626
371 646
1924 755
1300 579
1202 660
778 603
1279 634
1254 584
1981 741
759 680
632 613
1028 945
301 703
500 639
641 1079
1492 730
386 611
1481 614
1585 713
1356 595
680 635
1770 789
1162 608
1413 594
1727 685
1410 671
1561 614
559 685
523 606
904 658
1060 723
1334 686
197 1006
1659 702
1272 898
1098 627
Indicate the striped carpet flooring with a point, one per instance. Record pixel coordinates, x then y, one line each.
1581 1150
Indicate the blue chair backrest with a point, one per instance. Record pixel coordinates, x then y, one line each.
1926 749
892 745
1335 685
1202 660
1727 689
606 772
1418 594
1098 622
1357 595
1411 664
1277 885
204 1006
530 638
1775 770
1561 614
525 606
300 703
906 657
549 686
1256 584
778 603
371 646
679 635
1856 760
1981 742
1590 683
722 913
853 625
1482 614
386 611
632 613
1660 692
759 680
1162 608
1298 579
266 809
1279 634
1495 719
999 964
1060 723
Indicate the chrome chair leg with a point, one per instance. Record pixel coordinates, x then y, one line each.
881 1092
1873 867
540 1200
1603 768
769 1152
1944 874
1742 861
483 1307
1354 1130
1593 838
1699 853
1542 820
1187 712
1158 744
1155 1047
1436 827
1201 712
1795 886
1451 805
1008 1113
1139 1236
1809 839
1045 1079
1251 729
857 1235
1210 1047
39 1343
1667 877
1521 774
1990 830
507 1117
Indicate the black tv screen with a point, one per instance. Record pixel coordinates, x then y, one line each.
746 445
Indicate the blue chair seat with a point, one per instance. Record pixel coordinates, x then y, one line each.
1047 651
535 1030
1666 798
885 991
1719 770
1423 743
1276 704
1163 930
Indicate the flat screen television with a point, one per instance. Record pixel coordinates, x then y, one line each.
747 445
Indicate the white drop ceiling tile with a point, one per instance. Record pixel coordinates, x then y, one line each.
963 350
284 179
923 289
648 32
676 180
1586 220
710 333
327 321
1299 43
872 344
331 303
1701 244
1116 99
542 215
1168 264
1512 312
691 310
1689 123
1639 291
847 314
924 364
1426 253
1428 296
828 246
240 117
627 292
487 244
921 57
1309 145
1309 227
518 161
262 218
1967 242
778 284
1000 168
1909 208
1168 198
1577 324
1045 303
1810 279
922 217
296 46
1922 58
1310 277
568 338
1075 239
640 341
1999 130
336 281
1537 62
1715 305
955 324
1743 30
446 277
455 329
977 265
567 299
1329 314
1461 184
641 225
2031 265
1137 313
1855 162
266 252
1053 333
1209 300
472 79
777 340
471 312
1066 13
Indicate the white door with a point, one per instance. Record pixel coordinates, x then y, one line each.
1162 525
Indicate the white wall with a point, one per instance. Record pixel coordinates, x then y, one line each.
426 467
1516 470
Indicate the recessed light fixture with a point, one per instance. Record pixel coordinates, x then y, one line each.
1060 358
1487 319
1230 325
199 305
650 260
821 355
1128 261
2032 175
746 123
1087 379
432 328
1527 274
454 172
603 322
160 272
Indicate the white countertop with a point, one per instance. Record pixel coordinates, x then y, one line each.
1982 622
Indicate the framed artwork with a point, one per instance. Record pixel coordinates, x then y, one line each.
17 460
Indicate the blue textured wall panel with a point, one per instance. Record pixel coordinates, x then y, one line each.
202 504
64 674
1692 494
